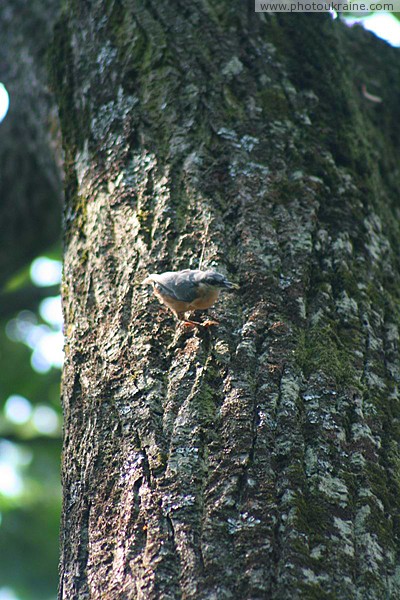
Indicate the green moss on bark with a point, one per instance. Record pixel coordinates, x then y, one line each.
321 349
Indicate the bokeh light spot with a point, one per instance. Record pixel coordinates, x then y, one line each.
45 420
18 409
50 311
46 271
4 101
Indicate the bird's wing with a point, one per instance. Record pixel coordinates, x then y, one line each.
181 286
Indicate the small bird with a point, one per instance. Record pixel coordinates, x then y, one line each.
188 290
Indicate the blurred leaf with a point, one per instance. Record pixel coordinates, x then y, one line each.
19 280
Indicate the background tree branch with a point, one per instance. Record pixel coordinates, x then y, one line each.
30 160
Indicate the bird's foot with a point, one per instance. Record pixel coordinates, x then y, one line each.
191 324
206 324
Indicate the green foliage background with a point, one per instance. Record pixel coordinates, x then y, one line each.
29 528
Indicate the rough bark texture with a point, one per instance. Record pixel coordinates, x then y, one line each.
261 459
30 182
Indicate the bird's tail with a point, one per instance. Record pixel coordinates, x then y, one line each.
148 280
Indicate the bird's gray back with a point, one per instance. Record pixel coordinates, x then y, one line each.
180 285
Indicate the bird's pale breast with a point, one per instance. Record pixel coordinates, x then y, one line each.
206 298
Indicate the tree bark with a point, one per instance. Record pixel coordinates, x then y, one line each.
30 163
261 459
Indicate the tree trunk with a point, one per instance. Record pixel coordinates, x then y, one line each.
260 459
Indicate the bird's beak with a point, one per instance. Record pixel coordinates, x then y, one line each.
231 286
146 281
